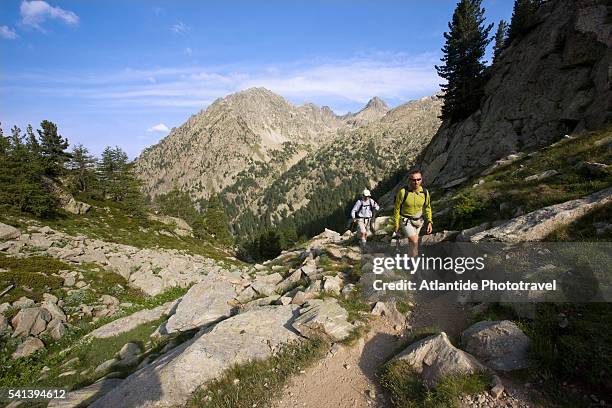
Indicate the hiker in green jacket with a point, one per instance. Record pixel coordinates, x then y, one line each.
413 210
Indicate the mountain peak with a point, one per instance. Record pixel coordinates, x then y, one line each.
377 103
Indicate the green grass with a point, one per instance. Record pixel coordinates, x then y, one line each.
408 391
107 221
470 206
33 272
258 383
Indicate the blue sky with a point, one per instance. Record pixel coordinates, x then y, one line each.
119 72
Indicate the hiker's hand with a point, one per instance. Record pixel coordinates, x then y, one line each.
429 228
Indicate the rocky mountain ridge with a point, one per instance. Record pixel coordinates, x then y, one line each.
552 81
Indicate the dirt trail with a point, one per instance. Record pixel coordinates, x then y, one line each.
346 377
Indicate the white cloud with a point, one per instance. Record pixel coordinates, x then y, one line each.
7 33
180 28
159 128
35 12
343 84
188 51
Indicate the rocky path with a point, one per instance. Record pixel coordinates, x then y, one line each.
346 377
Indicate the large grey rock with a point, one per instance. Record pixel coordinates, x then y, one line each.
205 303
323 317
54 310
289 281
30 321
8 232
56 329
266 284
170 380
332 284
499 344
466 234
30 346
435 357
23 302
551 81
538 224
86 395
128 323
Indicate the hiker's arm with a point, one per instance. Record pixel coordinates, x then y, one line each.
354 210
427 209
376 206
396 211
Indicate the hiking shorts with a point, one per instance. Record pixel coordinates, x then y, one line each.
409 230
363 224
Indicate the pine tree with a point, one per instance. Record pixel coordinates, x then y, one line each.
53 149
500 39
521 17
81 166
464 67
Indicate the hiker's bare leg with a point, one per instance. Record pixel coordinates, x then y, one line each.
413 245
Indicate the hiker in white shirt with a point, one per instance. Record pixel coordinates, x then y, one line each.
362 213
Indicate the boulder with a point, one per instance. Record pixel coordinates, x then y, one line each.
332 284
23 302
266 284
542 176
49 298
389 310
466 234
499 344
30 321
438 237
259 302
106 365
128 323
592 169
435 357
30 346
309 267
109 300
86 395
289 281
301 297
205 303
8 232
171 379
323 317
246 295
56 329
536 225
54 310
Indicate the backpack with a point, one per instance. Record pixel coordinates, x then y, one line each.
407 189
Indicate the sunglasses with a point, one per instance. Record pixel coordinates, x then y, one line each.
415 179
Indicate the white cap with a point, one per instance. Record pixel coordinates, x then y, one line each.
366 193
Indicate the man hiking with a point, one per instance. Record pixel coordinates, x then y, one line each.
412 210
362 213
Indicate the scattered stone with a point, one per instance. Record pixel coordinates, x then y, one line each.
347 289
54 310
205 303
4 307
323 317
301 297
438 237
81 284
107 365
23 302
332 284
56 329
8 232
109 300
435 357
499 344
466 234
69 280
246 295
49 298
542 176
30 321
67 373
289 281
30 346
7 289
266 284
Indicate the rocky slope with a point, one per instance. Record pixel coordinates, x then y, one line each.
250 127
552 81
